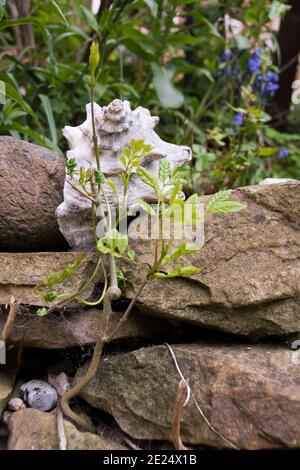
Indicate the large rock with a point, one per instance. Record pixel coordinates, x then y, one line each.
36 430
8 374
250 395
7 380
21 272
31 181
249 282
66 329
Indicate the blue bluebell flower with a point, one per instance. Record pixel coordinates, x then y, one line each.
225 56
267 85
272 76
253 63
269 89
238 119
228 66
283 153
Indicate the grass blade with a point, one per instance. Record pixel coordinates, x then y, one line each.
50 118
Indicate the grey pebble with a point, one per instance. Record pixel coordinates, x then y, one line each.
39 394
16 404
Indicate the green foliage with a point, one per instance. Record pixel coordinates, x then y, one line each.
148 178
114 243
71 166
144 55
131 158
147 207
94 60
183 249
221 203
46 288
63 274
177 272
121 278
278 9
41 312
164 172
168 95
99 177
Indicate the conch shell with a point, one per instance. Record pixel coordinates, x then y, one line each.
116 124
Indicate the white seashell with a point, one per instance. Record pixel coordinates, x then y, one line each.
116 124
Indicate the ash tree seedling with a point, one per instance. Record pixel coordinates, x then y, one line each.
114 246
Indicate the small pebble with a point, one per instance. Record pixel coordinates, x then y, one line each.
39 394
16 404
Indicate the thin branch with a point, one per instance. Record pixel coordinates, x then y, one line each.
127 312
13 310
289 63
76 389
60 429
112 293
82 193
130 444
176 415
231 444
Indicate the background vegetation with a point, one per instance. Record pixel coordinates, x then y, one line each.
183 60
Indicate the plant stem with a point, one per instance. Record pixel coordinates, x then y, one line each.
127 312
95 141
80 385
157 221
113 293
94 229
84 194
97 302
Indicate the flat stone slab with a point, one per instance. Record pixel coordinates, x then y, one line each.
21 272
8 374
36 430
249 395
79 327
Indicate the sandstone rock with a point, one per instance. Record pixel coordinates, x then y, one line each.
21 272
6 387
8 374
250 395
249 282
31 180
36 430
78 327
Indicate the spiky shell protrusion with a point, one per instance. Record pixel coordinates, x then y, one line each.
117 118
